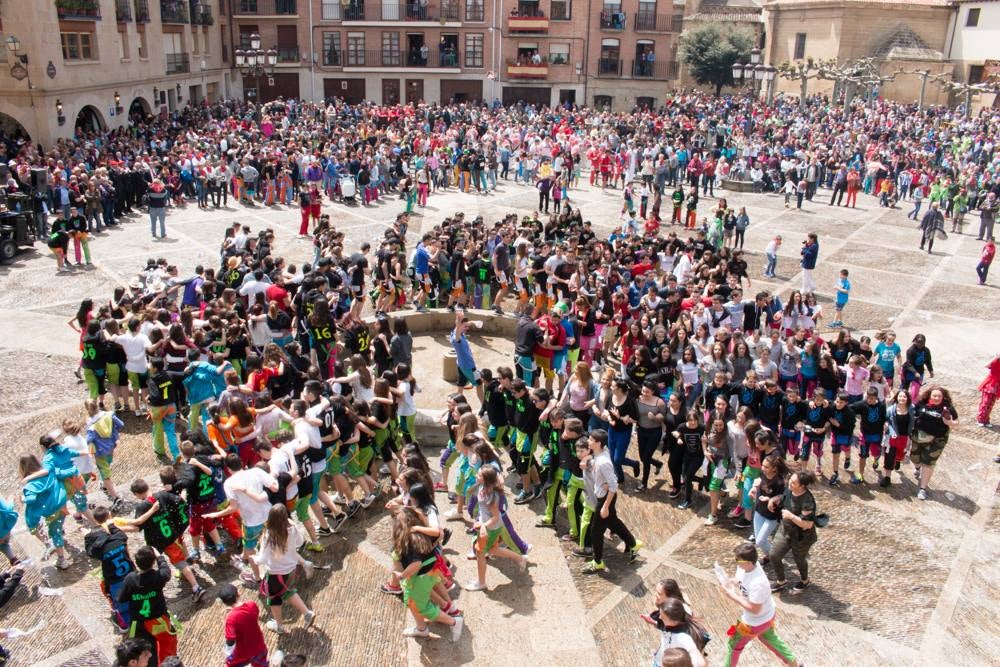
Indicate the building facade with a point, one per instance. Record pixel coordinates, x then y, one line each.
93 63
907 35
974 46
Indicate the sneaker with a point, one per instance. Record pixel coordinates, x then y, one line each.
633 553
117 505
471 555
248 578
475 586
523 564
308 568
593 567
779 586
315 547
337 522
307 620
454 514
640 488
538 492
417 632
326 511
673 493
885 482
390 589
198 593
367 501
922 494
63 563
857 479
352 508
439 486
523 498
835 479
453 611
735 512
194 556
324 531
452 498
684 505
583 552
456 630
711 520
545 523
569 537
742 523
339 499
847 463
275 627
799 587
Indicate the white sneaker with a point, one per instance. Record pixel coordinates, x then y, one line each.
308 568
275 627
339 499
922 494
475 586
453 515
277 658
416 632
456 630
307 619
367 501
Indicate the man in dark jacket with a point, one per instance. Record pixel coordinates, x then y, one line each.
810 253
930 225
158 208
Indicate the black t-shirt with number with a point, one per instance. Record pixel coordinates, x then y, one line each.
168 524
305 466
691 437
110 547
143 592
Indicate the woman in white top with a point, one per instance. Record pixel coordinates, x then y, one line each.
406 407
279 556
360 378
678 630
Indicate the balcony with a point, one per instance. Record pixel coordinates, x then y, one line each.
527 70
649 22
528 23
173 11
178 63
201 14
657 71
142 11
123 11
401 11
613 21
78 10
265 7
288 55
392 58
609 68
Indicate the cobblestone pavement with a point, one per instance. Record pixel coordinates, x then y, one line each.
895 581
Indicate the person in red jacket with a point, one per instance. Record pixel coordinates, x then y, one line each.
245 645
990 390
985 259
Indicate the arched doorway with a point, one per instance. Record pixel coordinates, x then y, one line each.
138 110
89 120
12 132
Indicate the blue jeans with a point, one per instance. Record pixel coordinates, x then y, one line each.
618 442
161 215
772 263
762 531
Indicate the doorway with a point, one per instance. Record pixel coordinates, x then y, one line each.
89 120
390 91
416 49
645 58
567 96
414 91
448 48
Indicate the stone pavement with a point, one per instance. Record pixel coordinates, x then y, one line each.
895 581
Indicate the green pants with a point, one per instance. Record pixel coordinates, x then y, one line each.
574 490
552 495
744 634
95 382
588 514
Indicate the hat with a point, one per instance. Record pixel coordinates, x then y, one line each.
135 283
233 262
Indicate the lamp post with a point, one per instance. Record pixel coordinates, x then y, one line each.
752 74
60 118
256 62
19 70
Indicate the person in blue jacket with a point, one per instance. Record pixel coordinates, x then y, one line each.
44 497
8 518
204 382
58 461
103 430
810 253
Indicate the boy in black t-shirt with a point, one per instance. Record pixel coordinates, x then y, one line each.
142 591
842 421
109 546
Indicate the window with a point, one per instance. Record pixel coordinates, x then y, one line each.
194 42
225 50
245 32
800 46
390 48
205 41
559 54
972 18
331 49
123 45
474 50
77 45
474 10
331 10
602 102
561 10
143 46
355 48
976 73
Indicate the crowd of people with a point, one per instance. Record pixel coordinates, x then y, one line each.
281 391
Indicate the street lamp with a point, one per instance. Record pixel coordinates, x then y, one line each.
769 73
59 112
755 56
118 103
19 70
256 62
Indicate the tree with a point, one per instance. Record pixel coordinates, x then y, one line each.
710 51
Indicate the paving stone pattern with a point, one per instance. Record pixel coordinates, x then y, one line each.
895 581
